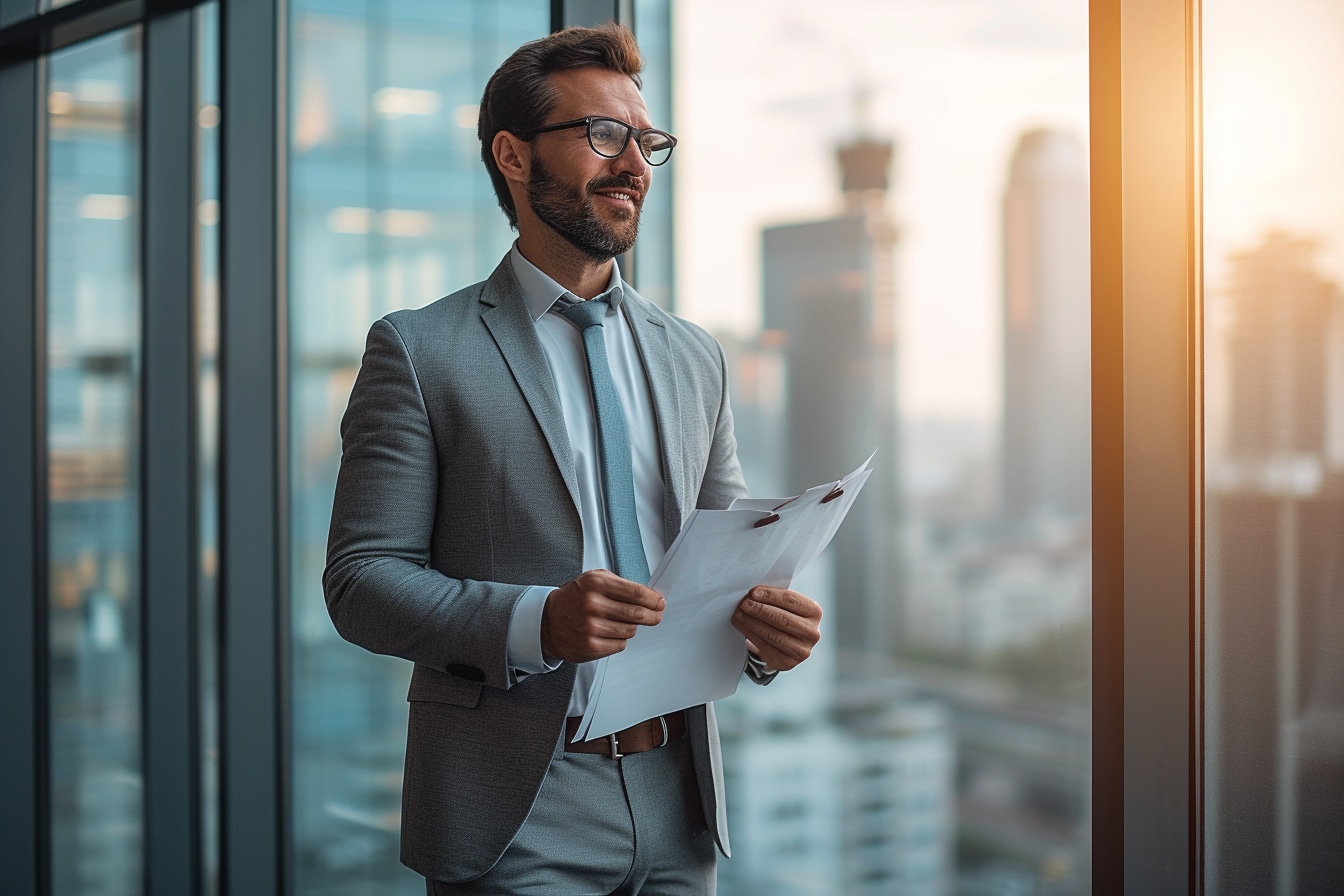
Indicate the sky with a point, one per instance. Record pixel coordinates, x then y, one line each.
765 89
1273 126
1274 153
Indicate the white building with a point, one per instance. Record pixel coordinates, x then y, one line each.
980 594
836 789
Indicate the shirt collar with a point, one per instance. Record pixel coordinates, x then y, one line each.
540 291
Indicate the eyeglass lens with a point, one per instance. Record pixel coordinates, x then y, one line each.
608 138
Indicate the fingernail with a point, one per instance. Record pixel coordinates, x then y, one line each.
759 594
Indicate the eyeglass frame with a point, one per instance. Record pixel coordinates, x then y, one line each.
630 131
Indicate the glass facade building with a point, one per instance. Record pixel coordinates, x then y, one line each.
93 375
1107 664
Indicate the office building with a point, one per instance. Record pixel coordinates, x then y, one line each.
1046 441
829 292
1276 595
836 785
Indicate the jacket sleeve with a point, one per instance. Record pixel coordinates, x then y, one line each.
379 588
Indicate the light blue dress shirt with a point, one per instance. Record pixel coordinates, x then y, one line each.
563 346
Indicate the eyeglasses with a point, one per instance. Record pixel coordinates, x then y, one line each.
608 137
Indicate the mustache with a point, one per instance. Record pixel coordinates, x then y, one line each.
617 181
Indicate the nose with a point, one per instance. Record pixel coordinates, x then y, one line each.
631 161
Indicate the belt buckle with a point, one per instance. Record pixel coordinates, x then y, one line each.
614 744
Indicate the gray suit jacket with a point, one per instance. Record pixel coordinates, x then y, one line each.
457 491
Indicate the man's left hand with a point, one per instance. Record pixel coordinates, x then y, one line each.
781 626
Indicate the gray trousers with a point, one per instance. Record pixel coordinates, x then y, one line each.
607 828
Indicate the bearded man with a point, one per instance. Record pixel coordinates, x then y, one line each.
516 457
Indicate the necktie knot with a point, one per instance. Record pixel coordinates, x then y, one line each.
584 314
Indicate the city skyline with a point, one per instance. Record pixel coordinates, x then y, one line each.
954 84
1046 439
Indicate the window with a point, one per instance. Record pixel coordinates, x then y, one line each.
1274 448
899 261
93 450
389 207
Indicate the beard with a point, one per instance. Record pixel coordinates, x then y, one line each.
569 212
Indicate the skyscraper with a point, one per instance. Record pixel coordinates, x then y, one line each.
1046 446
829 290
1275 594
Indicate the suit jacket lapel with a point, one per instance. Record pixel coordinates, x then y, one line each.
655 351
506 316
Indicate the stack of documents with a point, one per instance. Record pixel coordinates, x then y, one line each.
695 655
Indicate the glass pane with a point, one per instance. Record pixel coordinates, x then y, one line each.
902 264
390 207
207 435
1274 449
93 448
653 271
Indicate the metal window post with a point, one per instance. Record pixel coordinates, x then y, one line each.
23 823
171 754
253 361
1147 447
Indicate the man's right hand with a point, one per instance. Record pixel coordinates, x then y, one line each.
594 615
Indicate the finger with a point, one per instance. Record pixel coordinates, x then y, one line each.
795 603
781 618
623 590
634 593
763 635
778 648
626 614
604 607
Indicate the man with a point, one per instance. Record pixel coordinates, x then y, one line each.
487 487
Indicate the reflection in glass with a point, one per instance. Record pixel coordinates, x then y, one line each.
389 207
1274 452
652 273
93 447
904 266
206 281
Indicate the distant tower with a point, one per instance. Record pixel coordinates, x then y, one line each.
1046 329
830 299
1274 521
1284 350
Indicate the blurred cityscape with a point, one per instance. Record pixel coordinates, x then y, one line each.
1275 504
939 740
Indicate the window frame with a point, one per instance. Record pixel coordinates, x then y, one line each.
1147 346
1147 437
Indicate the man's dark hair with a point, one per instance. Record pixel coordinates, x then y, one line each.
519 95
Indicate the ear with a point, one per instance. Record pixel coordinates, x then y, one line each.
513 156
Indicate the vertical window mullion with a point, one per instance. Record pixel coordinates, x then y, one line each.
1147 482
171 757
253 653
22 622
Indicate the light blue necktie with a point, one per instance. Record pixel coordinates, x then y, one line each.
618 481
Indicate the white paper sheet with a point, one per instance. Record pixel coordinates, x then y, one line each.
695 655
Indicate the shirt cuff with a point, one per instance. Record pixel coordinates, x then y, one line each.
525 654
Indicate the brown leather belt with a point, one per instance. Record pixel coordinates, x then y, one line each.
647 735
